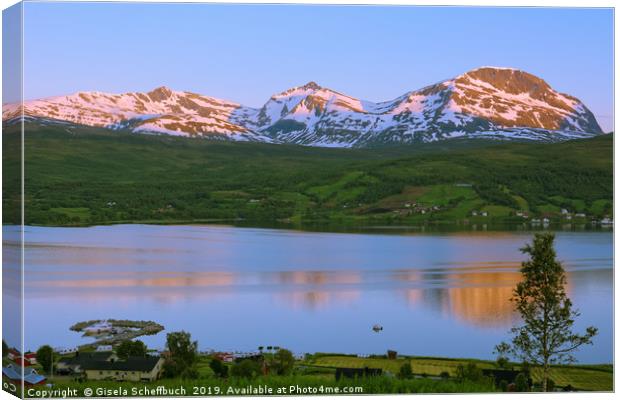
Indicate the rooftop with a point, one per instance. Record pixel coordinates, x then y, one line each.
144 364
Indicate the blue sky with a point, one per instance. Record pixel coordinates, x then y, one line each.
247 53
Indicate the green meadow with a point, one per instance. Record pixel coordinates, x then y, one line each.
315 374
582 377
87 176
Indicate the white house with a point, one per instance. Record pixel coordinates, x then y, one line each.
65 350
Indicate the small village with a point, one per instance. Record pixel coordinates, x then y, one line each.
130 362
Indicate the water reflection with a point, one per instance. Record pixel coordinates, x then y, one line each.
484 298
336 285
476 295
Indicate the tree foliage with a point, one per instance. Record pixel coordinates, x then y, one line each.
246 369
282 362
130 348
219 368
145 181
45 357
405 372
469 372
545 336
182 359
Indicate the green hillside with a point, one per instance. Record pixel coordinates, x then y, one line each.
77 176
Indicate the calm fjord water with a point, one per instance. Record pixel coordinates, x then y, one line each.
239 288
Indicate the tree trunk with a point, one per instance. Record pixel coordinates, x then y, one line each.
545 376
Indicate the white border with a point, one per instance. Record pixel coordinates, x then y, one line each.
484 3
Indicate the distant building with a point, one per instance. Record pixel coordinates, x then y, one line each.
26 360
564 211
73 365
13 354
135 369
31 357
522 214
65 350
225 357
104 347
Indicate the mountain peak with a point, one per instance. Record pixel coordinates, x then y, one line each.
160 93
490 102
312 85
493 67
511 80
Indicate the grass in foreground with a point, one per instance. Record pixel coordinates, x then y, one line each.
294 384
595 377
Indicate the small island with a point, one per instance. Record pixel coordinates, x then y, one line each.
113 331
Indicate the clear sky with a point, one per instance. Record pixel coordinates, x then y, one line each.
247 53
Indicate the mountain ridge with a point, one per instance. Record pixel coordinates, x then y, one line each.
490 102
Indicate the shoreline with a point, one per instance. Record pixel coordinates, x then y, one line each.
331 227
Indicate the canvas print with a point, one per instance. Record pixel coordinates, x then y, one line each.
277 199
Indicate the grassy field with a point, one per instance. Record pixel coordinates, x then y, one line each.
595 377
289 385
83 176
316 376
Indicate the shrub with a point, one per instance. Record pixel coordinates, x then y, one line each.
219 368
502 362
469 372
405 371
283 362
521 383
246 369
45 356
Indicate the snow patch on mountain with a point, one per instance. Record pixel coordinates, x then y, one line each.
489 102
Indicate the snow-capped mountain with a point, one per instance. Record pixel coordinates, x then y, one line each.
489 102
159 111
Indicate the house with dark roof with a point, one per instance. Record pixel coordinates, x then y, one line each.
14 373
136 369
73 365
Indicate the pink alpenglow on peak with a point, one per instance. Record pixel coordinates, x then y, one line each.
487 102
